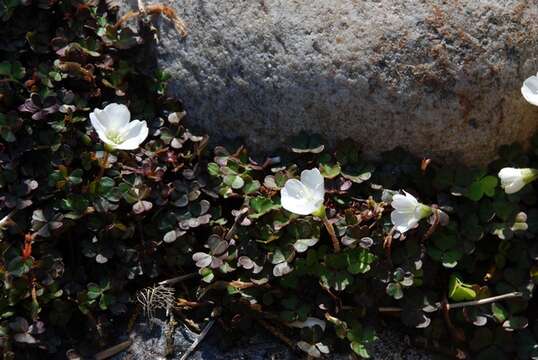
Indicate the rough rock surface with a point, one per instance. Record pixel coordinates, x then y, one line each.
440 78
150 342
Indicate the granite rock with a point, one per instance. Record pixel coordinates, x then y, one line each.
440 78
158 340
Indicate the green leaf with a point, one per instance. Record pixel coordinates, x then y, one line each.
301 245
394 290
261 206
75 203
235 181
251 186
7 134
213 169
13 70
489 183
94 291
504 209
338 280
75 177
515 323
445 239
357 173
105 301
360 350
450 258
5 68
359 260
499 312
17 71
305 143
480 187
328 170
459 291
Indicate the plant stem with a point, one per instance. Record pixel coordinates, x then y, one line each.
5 220
273 330
102 165
514 294
332 234
511 295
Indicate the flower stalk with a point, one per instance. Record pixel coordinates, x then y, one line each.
102 166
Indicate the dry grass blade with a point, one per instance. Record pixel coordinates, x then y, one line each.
156 9
155 298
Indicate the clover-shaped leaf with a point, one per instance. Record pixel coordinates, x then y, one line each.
357 173
482 186
459 291
44 221
328 168
13 70
359 261
260 206
515 323
304 143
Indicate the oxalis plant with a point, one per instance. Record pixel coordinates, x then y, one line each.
107 220
92 201
339 247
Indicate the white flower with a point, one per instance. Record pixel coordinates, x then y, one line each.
530 89
306 196
407 212
115 129
513 180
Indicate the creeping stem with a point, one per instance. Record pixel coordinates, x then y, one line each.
332 234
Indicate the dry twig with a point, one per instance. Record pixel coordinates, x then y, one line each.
198 340
177 279
105 354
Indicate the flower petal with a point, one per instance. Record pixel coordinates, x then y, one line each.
313 180
512 179
529 90
95 121
295 198
509 174
404 203
135 134
403 221
100 129
512 187
113 116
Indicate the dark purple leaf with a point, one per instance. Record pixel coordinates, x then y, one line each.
202 259
141 206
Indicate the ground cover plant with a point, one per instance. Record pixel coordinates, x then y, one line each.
104 222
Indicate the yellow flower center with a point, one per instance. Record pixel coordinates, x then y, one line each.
114 136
